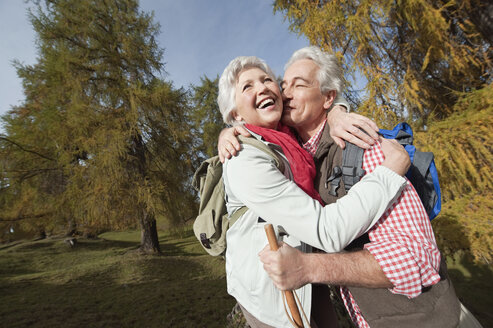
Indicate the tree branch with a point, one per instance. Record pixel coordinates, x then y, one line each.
24 149
24 217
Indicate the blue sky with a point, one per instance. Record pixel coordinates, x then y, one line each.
199 37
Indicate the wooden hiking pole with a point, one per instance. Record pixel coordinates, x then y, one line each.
293 308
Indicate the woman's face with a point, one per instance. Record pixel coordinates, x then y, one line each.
258 99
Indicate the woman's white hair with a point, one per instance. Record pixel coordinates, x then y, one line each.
227 84
329 73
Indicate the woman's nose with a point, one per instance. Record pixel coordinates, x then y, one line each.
261 88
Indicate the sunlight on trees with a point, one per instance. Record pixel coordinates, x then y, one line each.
100 140
429 63
414 55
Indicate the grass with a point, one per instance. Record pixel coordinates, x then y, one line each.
108 283
473 285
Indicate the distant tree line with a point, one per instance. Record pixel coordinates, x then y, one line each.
103 141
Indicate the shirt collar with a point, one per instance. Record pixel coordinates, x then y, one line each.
312 144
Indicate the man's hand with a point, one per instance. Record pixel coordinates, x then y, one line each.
344 126
286 266
227 144
396 157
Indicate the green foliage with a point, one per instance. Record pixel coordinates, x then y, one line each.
100 140
207 119
463 150
413 54
467 224
463 146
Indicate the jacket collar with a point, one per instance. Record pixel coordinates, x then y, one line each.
326 142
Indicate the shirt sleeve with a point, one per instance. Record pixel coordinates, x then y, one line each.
255 181
342 102
402 241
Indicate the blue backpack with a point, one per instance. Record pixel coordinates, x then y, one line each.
422 173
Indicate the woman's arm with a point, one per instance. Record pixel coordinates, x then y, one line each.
254 180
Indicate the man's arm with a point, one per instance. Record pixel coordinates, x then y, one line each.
402 254
228 144
343 126
346 126
290 269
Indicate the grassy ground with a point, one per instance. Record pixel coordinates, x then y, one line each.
107 283
474 286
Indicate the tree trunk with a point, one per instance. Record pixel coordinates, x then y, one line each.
72 228
149 240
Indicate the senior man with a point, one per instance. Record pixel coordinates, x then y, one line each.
394 278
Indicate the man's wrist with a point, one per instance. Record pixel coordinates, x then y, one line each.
314 271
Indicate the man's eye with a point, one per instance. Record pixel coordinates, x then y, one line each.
268 79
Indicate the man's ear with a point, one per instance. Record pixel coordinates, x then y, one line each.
329 98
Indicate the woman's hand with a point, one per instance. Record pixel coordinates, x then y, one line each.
227 144
396 157
344 126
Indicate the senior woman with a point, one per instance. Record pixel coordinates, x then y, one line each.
250 95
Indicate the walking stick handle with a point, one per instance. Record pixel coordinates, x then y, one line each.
293 308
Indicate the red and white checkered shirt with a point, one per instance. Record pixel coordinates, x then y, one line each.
402 242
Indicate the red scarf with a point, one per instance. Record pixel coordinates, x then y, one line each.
300 160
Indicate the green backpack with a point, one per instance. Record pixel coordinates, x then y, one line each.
213 221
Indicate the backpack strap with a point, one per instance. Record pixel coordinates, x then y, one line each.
265 148
352 165
422 161
236 215
351 171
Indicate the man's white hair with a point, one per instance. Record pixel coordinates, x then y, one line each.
329 73
227 83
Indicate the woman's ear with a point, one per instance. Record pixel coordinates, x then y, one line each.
329 98
236 116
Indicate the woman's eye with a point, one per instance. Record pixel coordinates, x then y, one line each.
246 86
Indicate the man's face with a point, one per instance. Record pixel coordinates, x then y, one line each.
258 99
304 104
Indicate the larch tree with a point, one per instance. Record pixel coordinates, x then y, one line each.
206 117
430 63
410 57
100 120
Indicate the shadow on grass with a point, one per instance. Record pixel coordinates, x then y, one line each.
473 282
188 247
11 244
103 244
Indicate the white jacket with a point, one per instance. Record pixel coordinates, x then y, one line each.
252 179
